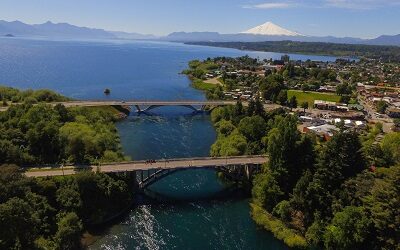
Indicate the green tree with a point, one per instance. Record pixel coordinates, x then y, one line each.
381 107
69 232
259 108
282 97
316 231
65 115
292 102
343 89
238 112
383 205
253 128
17 225
349 229
340 159
42 213
266 191
79 140
224 127
391 147
304 106
232 145
68 198
283 148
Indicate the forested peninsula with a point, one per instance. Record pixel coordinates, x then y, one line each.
382 53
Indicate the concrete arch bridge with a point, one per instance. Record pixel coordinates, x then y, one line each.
235 168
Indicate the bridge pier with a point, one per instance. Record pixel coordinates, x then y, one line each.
248 171
138 110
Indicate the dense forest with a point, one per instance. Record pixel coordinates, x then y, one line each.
383 53
339 194
52 213
43 134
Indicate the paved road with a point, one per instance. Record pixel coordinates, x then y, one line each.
141 165
132 103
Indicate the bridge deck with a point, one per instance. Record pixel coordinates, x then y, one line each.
146 103
161 164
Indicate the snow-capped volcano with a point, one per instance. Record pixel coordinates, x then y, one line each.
270 29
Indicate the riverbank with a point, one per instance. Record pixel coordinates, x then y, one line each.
95 232
290 237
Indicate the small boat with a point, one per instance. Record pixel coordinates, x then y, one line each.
107 91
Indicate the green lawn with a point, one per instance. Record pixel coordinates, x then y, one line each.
310 97
200 85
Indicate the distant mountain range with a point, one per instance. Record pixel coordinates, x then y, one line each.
272 32
265 32
63 30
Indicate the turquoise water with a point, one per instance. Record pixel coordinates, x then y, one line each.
188 218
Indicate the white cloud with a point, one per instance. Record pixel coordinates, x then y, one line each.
361 4
270 5
343 4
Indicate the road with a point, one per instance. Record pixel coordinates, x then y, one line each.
141 165
385 120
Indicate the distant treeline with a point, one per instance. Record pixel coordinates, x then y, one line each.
383 53
30 96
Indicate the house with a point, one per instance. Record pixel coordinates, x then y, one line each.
357 107
327 88
394 112
325 131
319 104
306 118
325 105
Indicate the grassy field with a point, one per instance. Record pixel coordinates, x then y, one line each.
310 97
206 65
200 85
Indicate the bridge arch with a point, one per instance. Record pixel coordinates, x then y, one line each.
151 107
232 173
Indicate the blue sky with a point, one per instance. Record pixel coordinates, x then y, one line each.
356 18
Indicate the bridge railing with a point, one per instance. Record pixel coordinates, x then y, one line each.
83 166
185 159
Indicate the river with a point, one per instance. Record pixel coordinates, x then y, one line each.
187 218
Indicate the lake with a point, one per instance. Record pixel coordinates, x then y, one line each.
187 219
